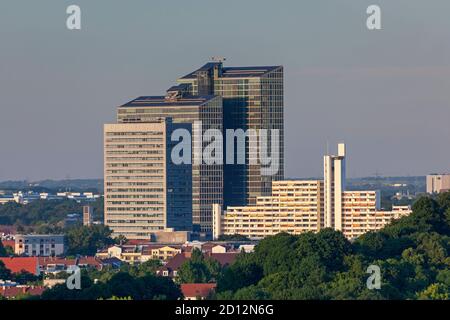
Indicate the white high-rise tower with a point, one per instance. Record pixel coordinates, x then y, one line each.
334 186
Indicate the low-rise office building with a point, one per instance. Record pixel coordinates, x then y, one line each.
33 245
136 254
437 183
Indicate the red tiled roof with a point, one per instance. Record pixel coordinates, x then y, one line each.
90 261
175 262
17 264
134 242
44 261
197 289
11 292
9 243
7 229
224 258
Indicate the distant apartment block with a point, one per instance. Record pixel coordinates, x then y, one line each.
366 220
144 191
293 207
88 215
300 206
30 196
358 213
437 183
4 198
39 245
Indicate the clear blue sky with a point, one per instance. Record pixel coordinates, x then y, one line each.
386 93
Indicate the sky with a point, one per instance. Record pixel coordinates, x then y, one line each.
386 93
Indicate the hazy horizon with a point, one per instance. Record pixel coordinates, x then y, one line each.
385 93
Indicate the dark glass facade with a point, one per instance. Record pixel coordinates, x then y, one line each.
178 186
253 98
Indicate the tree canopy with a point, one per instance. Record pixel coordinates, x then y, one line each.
120 286
412 253
198 269
86 240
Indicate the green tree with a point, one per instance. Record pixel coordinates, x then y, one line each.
25 277
121 285
3 252
436 291
243 272
120 240
148 267
5 274
198 269
86 240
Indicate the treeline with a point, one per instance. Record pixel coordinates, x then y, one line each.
412 254
121 285
86 241
45 214
128 283
53 186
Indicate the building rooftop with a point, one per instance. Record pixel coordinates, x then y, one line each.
40 235
18 264
79 261
162 101
233 72
197 289
174 264
12 292
8 243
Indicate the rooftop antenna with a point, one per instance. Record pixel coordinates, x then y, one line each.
328 148
218 59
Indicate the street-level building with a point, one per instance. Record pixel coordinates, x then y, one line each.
34 245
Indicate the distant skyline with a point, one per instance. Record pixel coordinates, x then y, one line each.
385 93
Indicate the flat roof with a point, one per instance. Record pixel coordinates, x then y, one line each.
160 101
236 72
40 235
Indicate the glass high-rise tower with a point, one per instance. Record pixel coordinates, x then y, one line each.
252 99
221 98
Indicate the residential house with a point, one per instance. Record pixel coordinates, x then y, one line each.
197 291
